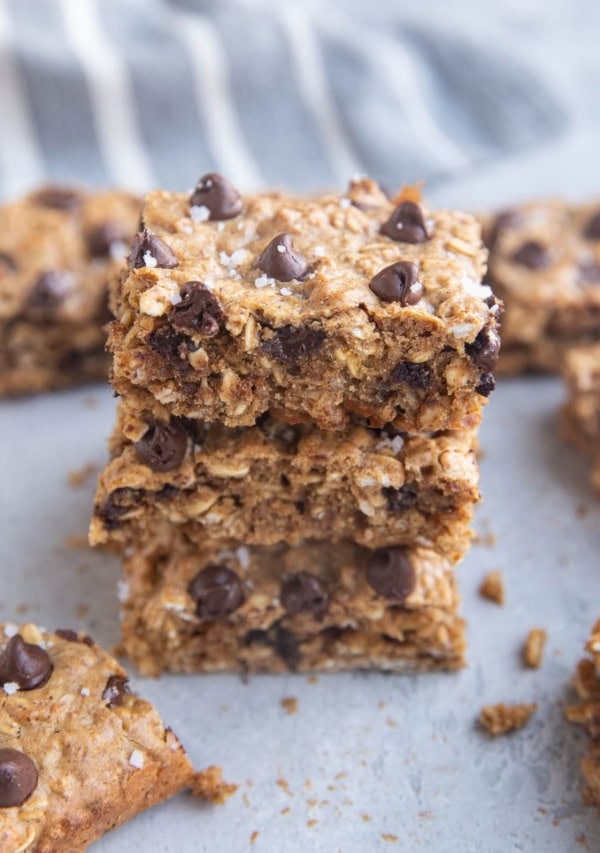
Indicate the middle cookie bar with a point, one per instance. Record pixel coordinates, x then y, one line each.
280 483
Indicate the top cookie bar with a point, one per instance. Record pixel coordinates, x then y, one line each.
310 308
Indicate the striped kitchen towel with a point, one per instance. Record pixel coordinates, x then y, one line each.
141 93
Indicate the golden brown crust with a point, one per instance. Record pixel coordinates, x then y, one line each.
98 763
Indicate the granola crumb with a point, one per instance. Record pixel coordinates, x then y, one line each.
312 679
254 836
285 811
501 719
366 817
533 648
312 822
285 786
76 541
390 837
492 587
289 704
209 785
78 477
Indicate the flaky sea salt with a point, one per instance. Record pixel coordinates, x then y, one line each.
475 288
285 291
10 687
199 213
319 251
263 281
85 691
281 248
345 203
122 591
243 555
118 250
149 260
136 759
10 629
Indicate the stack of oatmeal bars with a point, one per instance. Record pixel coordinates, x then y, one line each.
292 472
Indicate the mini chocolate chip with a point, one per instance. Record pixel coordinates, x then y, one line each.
60 198
217 591
589 272
533 255
402 499
18 778
163 446
281 261
26 664
486 385
147 250
291 343
220 197
100 238
73 637
199 310
398 283
117 686
49 291
484 350
391 573
304 593
407 224
287 647
502 221
171 345
117 504
592 227
7 263
415 375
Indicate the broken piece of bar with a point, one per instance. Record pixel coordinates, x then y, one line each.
544 264
312 309
587 713
275 482
79 753
311 607
58 248
580 415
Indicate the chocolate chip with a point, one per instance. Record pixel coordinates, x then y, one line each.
220 197
217 591
402 499
163 446
398 283
589 273
292 343
485 349
532 255
60 198
148 251
287 647
171 345
199 310
407 224
48 292
100 239
117 686
117 504
304 593
486 385
415 375
25 664
73 637
7 263
592 227
281 261
18 778
391 573
505 219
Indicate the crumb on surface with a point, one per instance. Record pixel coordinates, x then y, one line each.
492 587
289 704
254 836
501 719
312 822
390 837
285 810
76 541
285 786
533 648
312 679
209 785
78 477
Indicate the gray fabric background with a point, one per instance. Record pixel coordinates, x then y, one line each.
301 94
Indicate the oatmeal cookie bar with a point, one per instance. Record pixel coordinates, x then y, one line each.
580 416
545 265
587 713
280 483
79 753
309 607
58 247
313 309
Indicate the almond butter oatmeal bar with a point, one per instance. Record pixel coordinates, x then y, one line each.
587 714
545 265
58 248
79 753
275 482
309 607
308 308
580 416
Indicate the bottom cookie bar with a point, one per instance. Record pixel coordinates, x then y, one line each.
587 714
79 753
580 416
309 607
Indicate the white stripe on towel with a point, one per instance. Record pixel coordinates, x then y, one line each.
312 83
225 138
111 96
21 161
